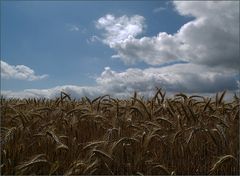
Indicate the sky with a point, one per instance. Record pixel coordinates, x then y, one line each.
92 48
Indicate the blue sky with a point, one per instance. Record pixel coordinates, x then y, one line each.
63 40
38 34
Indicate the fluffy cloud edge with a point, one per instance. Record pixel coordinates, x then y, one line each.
211 38
78 92
20 72
187 78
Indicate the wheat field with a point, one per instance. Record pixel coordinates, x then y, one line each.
184 135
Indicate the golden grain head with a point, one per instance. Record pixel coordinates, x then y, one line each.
183 135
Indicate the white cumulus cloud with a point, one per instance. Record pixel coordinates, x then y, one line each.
189 78
211 38
121 28
74 91
209 43
174 78
20 72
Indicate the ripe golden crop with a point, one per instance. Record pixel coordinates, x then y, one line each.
106 136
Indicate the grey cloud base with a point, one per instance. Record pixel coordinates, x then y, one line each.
209 43
190 78
20 72
211 39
